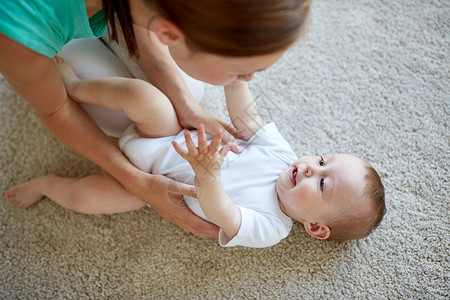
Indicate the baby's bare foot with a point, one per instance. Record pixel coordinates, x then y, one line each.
26 194
67 73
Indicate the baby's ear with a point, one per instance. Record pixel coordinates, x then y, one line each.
322 232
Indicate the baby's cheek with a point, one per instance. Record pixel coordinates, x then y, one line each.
307 193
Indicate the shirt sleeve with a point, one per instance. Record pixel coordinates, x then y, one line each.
46 26
257 230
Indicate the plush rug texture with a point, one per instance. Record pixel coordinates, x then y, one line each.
370 78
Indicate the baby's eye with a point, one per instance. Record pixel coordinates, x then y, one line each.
321 184
321 161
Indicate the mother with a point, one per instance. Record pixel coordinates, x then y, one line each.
215 41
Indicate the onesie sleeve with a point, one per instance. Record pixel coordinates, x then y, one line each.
270 138
257 230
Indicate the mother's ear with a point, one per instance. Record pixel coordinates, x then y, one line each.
320 231
167 32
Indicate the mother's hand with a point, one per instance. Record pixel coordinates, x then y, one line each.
189 116
166 197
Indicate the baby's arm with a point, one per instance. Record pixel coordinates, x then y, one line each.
242 109
206 161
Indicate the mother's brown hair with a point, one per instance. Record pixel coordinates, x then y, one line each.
221 27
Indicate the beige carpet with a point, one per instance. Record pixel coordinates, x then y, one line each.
371 78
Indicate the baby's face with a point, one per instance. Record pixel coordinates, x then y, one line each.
316 189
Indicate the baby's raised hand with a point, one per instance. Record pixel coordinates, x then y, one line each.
205 159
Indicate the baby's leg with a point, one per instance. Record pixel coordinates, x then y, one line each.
96 194
143 103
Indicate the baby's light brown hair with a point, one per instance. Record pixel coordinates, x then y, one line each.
357 225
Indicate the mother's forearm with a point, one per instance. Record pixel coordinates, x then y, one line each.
157 64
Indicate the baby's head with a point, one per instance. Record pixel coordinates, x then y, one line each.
337 196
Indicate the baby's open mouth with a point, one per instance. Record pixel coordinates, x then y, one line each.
294 176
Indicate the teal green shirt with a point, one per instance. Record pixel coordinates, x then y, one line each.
45 26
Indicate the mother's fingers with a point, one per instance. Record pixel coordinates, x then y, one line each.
185 218
230 135
230 132
176 188
225 149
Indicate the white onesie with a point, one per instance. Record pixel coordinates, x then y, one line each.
248 178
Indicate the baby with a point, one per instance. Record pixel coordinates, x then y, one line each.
252 196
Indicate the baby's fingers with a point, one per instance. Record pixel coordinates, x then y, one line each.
202 143
215 143
180 150
192 149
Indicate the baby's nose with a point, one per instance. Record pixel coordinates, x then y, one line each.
308 172
305 169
